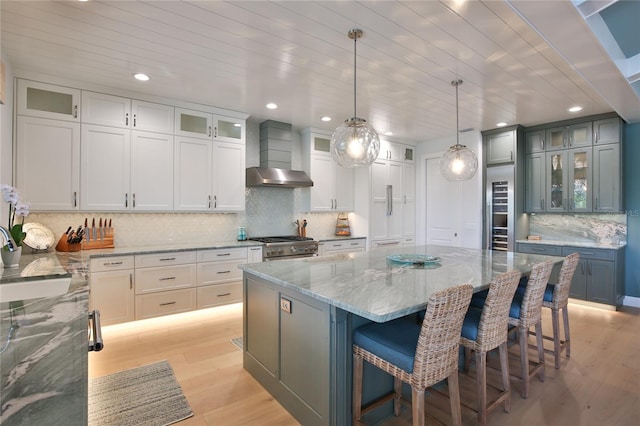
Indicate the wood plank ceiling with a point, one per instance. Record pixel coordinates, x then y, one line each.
239 55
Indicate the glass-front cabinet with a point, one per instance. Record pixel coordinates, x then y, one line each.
48 101
556 181
580 190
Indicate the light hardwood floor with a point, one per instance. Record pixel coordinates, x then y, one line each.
598 385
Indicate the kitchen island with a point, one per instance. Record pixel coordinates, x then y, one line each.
43 340
299 318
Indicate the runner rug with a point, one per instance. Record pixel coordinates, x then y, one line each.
149 395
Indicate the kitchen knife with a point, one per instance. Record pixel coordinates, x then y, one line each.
93 229
86 229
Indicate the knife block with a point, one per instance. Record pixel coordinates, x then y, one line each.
106 242
63 245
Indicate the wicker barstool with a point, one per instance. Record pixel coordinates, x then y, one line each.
420 355
486 329
556 297
526 310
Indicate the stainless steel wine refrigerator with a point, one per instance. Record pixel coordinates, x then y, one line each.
500 214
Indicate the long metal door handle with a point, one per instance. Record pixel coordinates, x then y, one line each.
209 201
126 119
130 281
95 340
126 199
134 120
133 200
75 199
75 111
209 131
167 303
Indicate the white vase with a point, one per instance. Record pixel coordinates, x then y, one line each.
11 259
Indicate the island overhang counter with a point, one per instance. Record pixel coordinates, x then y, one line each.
299 317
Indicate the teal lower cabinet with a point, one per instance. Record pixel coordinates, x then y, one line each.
599 277
299 349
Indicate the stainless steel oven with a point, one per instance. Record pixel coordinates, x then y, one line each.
287 247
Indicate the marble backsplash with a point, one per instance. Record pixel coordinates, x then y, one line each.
597 228
269 211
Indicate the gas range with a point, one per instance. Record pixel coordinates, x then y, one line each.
287 247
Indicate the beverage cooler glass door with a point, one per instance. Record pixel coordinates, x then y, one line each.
499 212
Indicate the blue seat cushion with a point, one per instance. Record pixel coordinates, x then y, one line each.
516 305
548 292
478 299
394 341
471 323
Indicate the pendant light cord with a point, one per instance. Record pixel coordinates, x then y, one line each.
457 83
355 44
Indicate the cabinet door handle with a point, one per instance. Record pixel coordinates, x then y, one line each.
355 244
215 132
511 155
215 201
112 263
75 199
564 141
595 136
542 144
126 119
209 201
223 272
587 253
75 111
167 259
224 254
223 294
130 281
126 199
133 200
167 279
168 303
335 203
541 204
596 204
209 131
389 200
589 268
134 120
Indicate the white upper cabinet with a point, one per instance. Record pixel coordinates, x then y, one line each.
209 176
333 185
151 171
48 151
194 124
192 187
116 111
105 110
152 117
105 165
48 101
204 125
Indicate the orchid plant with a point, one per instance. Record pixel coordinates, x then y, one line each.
17 209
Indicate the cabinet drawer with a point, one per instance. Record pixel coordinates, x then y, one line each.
221 294
590 253
545 249
346 245
149 280
165 303
223 255
102 264
164 259
219 272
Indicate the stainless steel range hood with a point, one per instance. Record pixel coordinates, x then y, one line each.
275 159
273 176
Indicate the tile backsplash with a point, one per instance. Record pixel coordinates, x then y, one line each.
269 211
598 228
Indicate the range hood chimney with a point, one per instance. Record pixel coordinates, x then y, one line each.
275 159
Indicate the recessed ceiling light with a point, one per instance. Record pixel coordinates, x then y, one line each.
575 109
141 77
271 105
501 124
325 118
388 133
237 124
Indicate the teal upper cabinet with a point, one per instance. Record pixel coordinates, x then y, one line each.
500 147
564 137
534 141
607 131
581 172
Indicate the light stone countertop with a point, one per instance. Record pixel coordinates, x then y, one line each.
609 246
369 285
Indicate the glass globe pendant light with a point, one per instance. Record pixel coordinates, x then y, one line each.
459 162
355 143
